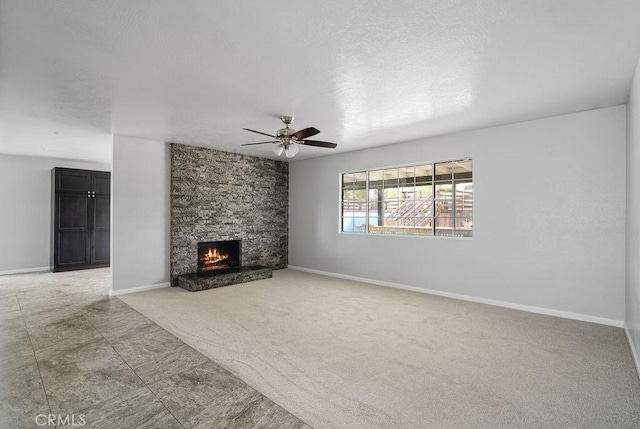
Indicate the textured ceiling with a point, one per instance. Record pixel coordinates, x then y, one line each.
364 72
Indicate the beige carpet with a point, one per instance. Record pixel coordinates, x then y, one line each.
342 354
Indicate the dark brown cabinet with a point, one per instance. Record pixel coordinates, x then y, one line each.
81 210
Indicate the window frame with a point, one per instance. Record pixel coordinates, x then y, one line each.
433 184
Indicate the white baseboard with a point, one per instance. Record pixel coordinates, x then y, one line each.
634 348
529 308
24 270
139 289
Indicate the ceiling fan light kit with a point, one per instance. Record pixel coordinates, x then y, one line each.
287 140
291 150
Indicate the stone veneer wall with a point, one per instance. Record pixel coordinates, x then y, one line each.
226 196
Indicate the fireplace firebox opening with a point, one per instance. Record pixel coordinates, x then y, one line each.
218 255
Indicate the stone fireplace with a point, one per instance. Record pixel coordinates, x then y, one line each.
221 197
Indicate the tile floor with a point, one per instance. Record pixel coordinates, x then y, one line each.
68 350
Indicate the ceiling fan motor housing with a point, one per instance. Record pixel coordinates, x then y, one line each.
285 132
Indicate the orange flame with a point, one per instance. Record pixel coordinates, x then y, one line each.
212 256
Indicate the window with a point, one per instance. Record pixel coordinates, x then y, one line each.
421 199
354 201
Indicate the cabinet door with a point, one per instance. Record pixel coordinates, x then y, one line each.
72 181
71 230
100 229
101 183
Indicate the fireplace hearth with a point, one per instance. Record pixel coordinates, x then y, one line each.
218 255
219 265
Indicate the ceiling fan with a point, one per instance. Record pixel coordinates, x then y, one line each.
287 139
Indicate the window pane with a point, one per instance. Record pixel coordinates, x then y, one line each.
359 211
360 199
444 171
348 208
347 224
376 201
463 216
464 209
424 207
360 224
347 197
374 206
347 180
390 195
424 173
391 229
376 176
353 224
360 178
426 223
424 191
391 176
462 171
348 204
465 166
353 201
406 176
403 222
444 209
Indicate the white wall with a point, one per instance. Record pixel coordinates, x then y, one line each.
633 218
25 210
549 216
140 184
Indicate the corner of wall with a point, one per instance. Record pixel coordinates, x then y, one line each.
140 214
632 220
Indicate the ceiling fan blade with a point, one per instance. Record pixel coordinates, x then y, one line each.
317 143
307 132
251 144
259 132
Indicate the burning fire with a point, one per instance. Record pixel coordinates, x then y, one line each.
213 256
